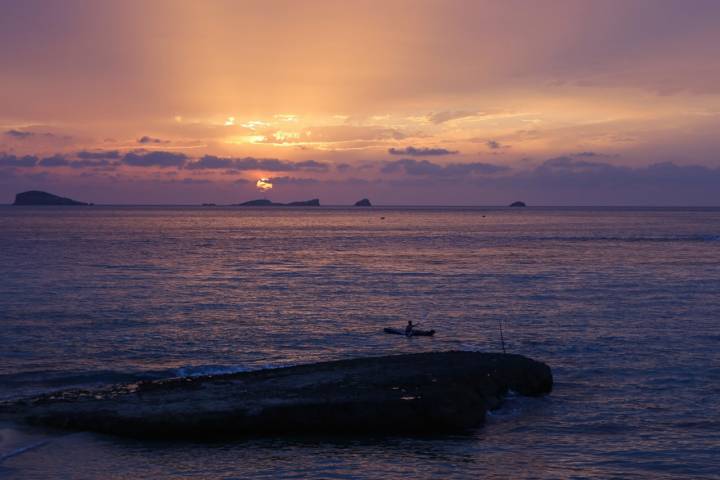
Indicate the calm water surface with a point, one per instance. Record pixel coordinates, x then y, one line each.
624 304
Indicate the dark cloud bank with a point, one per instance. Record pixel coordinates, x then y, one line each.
150 140
161 159
495 145
83 161
568 180
251 163
19 134
29 135
577 179
99 155
583 178
154 159
410 166
421 152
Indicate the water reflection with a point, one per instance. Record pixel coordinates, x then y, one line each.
622 303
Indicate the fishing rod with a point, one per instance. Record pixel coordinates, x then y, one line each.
502 338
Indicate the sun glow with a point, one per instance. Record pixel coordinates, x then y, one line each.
254 124
282 136
264 184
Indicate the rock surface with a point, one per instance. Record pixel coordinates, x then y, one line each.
36 197
363 203
518 204
434 392
263 202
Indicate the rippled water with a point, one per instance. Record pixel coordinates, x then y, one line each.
624 304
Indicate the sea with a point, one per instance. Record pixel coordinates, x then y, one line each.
622 303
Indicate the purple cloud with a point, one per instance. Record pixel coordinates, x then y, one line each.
54 161
442 117
421 152
14 161
146 140
425 168
251 163
154 159
19 134
98 155
25 135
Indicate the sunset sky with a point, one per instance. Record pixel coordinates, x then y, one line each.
404 102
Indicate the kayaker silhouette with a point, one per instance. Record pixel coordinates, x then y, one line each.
409 329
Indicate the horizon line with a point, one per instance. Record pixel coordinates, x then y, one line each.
354 207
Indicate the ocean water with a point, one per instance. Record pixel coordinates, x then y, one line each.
623 304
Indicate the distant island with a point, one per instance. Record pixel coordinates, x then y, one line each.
263 202
518 204
36 197
363 203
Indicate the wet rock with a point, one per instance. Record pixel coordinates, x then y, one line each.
433 392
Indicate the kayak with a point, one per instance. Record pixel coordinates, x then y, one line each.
415 333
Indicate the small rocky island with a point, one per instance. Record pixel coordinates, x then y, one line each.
435 392
263 202
363 203
36 197
518 204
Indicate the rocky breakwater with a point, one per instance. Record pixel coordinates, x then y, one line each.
434 392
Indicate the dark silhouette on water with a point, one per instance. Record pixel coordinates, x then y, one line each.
306 203
36 197
518 204
413 332
263 202
433 392
409 328
363 203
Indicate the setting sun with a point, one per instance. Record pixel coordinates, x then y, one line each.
264 184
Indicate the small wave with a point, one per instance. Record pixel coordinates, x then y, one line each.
14 442
55 378
20 450
202 370
629 239
19 385
513 406
709 425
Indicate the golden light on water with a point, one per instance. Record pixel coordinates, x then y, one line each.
264 184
